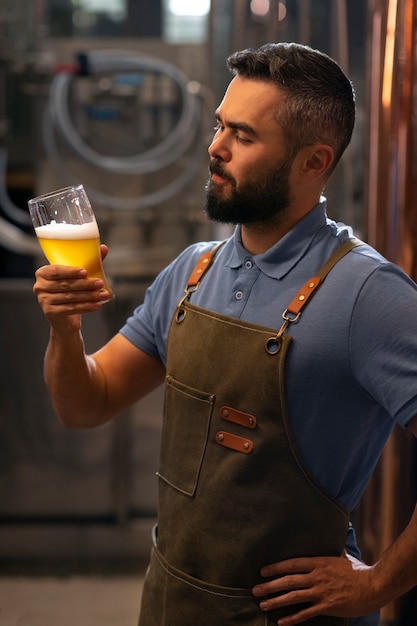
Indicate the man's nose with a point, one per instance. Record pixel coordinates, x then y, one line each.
219 148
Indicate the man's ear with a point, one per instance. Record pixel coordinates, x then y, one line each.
317 159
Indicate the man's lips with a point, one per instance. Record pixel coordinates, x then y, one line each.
218 176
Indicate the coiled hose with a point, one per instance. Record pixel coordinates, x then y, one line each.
170 150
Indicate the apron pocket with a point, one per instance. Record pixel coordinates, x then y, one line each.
172 598
187 415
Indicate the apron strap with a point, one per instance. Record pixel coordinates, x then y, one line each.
293 311
201 267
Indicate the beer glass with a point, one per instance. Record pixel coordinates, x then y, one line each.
67 230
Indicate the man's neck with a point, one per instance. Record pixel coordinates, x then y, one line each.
259 237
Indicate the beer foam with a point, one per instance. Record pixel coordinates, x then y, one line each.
61 230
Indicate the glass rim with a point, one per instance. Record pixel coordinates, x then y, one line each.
52 194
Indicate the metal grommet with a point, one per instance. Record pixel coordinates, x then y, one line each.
273 345
180 315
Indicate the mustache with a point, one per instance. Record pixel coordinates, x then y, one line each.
216 168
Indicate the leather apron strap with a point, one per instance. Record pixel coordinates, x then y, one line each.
293 311
311 286
304 294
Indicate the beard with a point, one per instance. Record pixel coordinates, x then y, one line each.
263 201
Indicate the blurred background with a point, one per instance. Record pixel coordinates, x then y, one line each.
120 96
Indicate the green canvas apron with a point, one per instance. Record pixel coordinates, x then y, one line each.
234 493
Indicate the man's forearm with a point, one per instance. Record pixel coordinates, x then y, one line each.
396 571
74 381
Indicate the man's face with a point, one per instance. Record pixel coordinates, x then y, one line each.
250 170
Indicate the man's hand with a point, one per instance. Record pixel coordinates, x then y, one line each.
337 586
65 293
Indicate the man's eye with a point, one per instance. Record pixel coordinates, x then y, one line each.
217 128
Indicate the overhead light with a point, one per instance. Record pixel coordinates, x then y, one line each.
194 8
282 11
260 8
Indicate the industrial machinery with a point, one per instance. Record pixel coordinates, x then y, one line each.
130 119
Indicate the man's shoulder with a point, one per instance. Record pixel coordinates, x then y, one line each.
367 260
189 257
173 278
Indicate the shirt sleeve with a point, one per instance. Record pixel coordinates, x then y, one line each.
148 327
384 341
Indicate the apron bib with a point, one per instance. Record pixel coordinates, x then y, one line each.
234 493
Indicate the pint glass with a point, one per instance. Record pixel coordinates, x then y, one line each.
67 230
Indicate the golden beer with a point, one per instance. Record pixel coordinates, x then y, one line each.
67 230
76 245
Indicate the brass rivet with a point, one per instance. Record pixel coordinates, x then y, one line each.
199 271
251 420
205 260
246 446
225 412
301 298
220 437
311 285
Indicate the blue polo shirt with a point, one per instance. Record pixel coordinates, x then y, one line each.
352 366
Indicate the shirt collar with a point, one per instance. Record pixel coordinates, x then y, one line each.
278 260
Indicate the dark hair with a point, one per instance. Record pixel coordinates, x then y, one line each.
319 98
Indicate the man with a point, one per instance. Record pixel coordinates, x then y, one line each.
287 361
